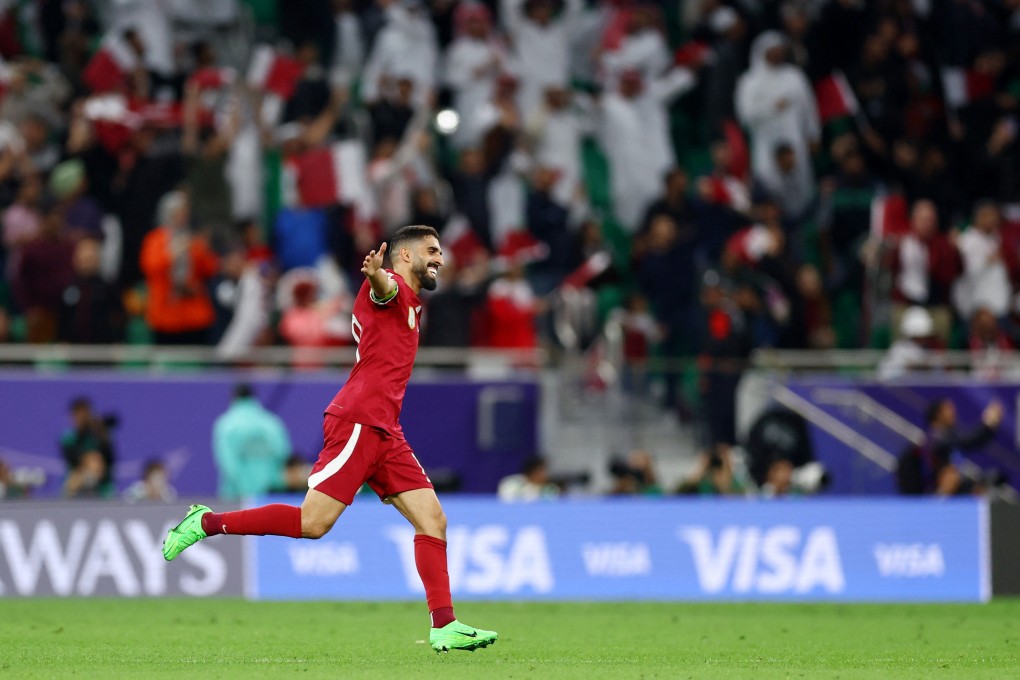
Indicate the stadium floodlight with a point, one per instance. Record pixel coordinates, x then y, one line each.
447 121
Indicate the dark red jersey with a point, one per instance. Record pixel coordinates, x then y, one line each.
387 336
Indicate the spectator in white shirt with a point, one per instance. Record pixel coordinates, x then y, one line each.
473 62
774 101
988 267
406 45
634 132
541 40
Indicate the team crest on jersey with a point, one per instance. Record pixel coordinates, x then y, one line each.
410 317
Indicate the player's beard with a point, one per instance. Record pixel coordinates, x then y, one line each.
421 270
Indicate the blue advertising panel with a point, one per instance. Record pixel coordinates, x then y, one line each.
809 550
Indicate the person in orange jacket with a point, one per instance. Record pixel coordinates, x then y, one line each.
177 264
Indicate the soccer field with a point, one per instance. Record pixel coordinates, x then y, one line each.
236 639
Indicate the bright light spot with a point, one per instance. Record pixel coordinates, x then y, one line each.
447 121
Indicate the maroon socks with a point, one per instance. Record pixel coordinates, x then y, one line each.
269 520
430 558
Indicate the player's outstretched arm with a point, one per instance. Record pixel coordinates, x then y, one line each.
383 287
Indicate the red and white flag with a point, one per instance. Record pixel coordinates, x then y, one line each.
111 66
331 175
460 241
519 246
276 75
113 120
962 87
212 78
594 266
890 215
835 97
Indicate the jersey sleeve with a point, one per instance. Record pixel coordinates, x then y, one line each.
394 294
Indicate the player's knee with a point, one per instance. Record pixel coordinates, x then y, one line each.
315 527
435 524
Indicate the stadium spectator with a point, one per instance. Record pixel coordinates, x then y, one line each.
511 309
924 268
451 311
775 102
914 348
530 484
45 269
721 186
634 132
177 263
82 213
540 38
90 308
153 487
10 486
89 478
634 475
405 46
89 432
638 44
21 222
937 465
725 346
295 476
250 445
205 145
348 44
713 475
729 32
811 321
473 62
988 343
555 131
989 267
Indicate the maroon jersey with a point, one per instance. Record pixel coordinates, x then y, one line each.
387 337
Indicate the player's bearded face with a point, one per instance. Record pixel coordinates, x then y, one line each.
426 271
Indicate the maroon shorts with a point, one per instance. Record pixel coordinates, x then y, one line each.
354 454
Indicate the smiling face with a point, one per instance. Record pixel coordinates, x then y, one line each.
426 259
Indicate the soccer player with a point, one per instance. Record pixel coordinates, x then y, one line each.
364 441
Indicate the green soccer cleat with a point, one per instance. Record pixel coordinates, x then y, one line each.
456 635
187 533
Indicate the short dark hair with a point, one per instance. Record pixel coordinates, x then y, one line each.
405 235
78 403
532 463
242 391
931 413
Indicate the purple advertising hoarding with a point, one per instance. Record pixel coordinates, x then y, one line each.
481 431
885 413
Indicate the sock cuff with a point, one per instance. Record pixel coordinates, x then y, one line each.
431 540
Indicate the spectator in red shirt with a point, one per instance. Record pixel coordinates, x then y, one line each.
511 310
44 272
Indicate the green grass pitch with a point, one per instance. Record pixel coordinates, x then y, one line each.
222 639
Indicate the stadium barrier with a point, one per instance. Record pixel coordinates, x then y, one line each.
639 549
108 549
170 417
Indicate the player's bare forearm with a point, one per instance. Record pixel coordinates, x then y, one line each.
382 284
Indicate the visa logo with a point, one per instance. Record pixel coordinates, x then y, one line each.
909 560
323 559
767 561
616 559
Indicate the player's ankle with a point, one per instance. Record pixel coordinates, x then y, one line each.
211 524
442 616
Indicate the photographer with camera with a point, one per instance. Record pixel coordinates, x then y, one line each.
88 450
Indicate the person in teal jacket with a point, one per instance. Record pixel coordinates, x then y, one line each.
250 445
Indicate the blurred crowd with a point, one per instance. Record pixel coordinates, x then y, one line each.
707 176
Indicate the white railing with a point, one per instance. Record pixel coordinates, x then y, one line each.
289 357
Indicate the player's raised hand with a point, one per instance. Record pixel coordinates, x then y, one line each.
374 261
